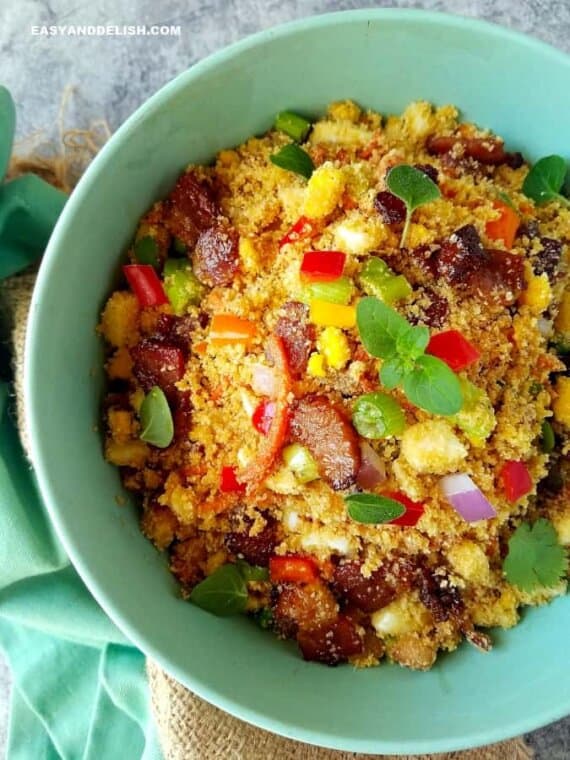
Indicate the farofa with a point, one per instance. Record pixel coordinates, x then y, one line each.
366 591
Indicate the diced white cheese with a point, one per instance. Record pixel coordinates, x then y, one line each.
432 447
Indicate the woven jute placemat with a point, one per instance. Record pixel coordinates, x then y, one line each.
188 727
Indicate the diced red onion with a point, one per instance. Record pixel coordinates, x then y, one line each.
263 380
372 469
466 498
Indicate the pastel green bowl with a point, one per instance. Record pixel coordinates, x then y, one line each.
383 59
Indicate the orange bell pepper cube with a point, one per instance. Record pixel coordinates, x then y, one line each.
292 569
328 314
228 330
505 227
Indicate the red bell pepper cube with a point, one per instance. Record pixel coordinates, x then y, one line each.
452 348
302 229
262 417
293 569
229 482
414 509
516 480
145 284
322 266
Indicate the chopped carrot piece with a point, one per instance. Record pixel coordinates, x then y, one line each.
505 227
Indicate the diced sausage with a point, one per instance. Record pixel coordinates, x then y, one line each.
391 208
331 644
494 275
176 330
297 334
368 594
254 549
158 363
216 255
547 259
303 607
182 414
190 208
429 170
187 560
485 150
320 426
441 598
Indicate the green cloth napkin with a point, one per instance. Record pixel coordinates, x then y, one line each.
79 687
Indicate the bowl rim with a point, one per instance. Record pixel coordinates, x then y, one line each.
537 717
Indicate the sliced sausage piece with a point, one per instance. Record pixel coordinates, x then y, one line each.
182 414
303 607
487 150
331 644
368 594
320 426
297 334
194 199
159 363
216 256
254 549
441 598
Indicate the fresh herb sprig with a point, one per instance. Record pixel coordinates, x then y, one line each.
545 180
535 559
294 159
414 188
372 509
224 592
426 380
157 427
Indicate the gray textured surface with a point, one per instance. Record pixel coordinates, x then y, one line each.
114 75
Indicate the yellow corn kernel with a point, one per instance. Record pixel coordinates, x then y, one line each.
344 110
538 293
248 255
324 191
316 365
136 398
334 345
418 235
120 365
563 319
119 322
328 314
126 454
561 405
120 423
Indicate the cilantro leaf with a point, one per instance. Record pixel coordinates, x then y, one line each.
535 557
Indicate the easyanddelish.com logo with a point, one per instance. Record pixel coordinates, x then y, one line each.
106 30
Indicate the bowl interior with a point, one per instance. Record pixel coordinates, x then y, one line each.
383 59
